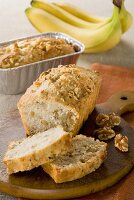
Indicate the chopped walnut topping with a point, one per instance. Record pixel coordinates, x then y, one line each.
33 50
69 84
42 91
121 142
109 120
37 83
104 133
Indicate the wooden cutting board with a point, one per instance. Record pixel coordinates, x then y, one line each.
114 80
30 184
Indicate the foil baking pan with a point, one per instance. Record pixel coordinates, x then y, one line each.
16 80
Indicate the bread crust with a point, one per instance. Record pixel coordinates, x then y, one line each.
38 156
71 86
32 50
76 170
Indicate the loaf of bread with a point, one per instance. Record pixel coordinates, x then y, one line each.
83 157
36 150
33 50
61 96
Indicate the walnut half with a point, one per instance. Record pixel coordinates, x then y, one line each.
109 120
121 142
104 133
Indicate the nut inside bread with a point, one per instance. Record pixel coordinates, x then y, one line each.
60 96
83 157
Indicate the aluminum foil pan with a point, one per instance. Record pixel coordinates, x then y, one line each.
17 80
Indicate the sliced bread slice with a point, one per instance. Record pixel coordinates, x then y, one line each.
85 156
36 150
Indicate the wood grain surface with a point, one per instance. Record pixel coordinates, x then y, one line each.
115 79
124 189
37 184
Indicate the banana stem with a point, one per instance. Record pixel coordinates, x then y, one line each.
118 3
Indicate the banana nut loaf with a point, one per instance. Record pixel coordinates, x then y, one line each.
60 96
84 156
36 150
33 50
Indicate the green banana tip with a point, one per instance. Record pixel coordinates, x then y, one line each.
32 2
27 10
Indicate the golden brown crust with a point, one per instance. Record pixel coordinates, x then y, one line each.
33 50
38 156
69 85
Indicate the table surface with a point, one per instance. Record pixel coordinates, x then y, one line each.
14 24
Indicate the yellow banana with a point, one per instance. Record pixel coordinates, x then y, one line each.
109 43
125 18
65 16
101 39
112 38
82 14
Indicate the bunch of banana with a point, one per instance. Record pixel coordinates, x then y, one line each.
97 34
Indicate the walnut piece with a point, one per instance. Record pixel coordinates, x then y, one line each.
37 83
32 50
104 133
102 119
109 120
114 119
121 142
